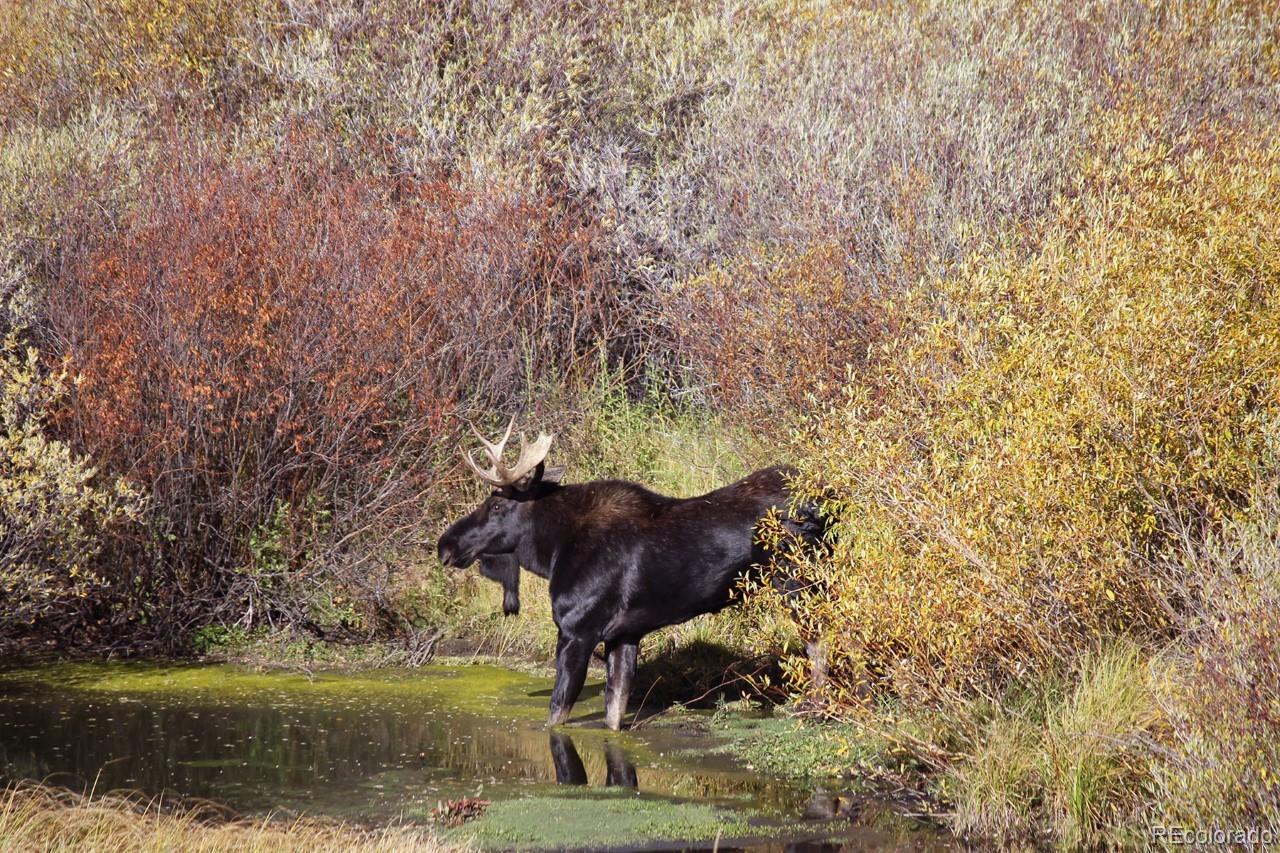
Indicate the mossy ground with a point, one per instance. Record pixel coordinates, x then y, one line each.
793 747
615 818
474 689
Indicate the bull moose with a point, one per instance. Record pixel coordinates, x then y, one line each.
622 560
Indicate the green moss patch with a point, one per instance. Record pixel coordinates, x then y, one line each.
611 820
482 690
793 748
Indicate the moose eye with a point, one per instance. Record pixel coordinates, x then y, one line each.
492 506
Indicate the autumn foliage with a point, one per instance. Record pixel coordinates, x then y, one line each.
276 348
1226 710
1001 279
1027 464
771 332
54 509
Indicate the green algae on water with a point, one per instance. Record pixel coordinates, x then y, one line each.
472 689
253 737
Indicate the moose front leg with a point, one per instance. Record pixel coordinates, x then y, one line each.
573 654
621 668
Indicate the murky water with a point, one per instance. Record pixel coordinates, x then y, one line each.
372 747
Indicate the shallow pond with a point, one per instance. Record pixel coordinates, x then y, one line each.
392 745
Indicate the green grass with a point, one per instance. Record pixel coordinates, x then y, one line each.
1066 758
674 447
796 748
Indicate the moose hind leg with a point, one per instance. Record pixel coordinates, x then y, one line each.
573 654
621 668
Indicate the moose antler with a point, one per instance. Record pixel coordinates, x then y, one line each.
531 456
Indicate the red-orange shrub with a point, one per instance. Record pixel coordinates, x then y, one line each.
273 349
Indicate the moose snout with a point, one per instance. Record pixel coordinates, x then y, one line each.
448 555
452 555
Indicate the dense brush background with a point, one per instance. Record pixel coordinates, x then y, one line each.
1002 278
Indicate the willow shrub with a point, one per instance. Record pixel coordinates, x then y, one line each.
695 131
53 505
1014 472
765 332
1221 765
60 57
275 349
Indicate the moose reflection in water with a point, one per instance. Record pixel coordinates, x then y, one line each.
619 771
622 561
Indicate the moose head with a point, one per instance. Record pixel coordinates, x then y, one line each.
495 527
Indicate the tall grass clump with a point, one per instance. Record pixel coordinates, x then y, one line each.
673 446
1066 759
1137 742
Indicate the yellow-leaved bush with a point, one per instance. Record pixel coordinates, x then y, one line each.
1019 469
53 507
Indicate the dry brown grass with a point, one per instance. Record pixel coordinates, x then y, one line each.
38 818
